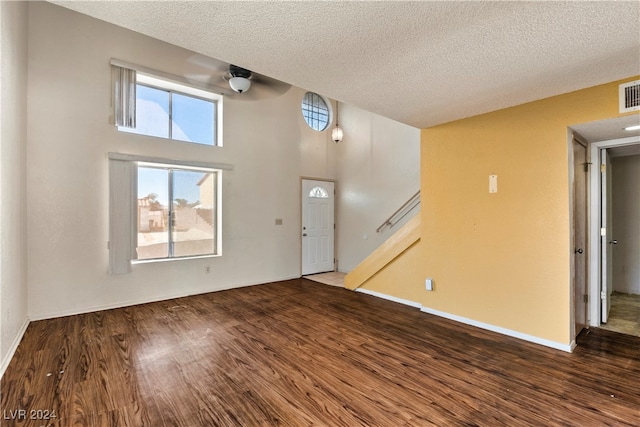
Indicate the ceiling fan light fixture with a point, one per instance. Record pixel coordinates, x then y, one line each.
239 84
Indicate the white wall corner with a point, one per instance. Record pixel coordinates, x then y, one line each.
12 349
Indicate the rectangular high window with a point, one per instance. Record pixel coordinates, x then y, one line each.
162 108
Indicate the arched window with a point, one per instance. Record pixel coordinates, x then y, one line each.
319 193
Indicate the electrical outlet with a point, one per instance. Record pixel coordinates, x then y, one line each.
207 269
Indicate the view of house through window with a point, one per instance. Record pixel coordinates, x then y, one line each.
177 212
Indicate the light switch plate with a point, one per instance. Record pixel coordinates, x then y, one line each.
493 183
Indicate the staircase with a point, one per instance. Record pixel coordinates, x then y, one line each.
393 248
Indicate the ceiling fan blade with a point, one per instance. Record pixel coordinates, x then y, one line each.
213 82
207 63
203 69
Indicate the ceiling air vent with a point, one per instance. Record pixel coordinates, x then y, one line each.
630 96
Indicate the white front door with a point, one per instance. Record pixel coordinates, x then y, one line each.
317 226
606 234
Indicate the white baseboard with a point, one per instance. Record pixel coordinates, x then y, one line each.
129 303
504 331
390 298
13 348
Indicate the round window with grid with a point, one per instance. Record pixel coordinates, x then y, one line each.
316 112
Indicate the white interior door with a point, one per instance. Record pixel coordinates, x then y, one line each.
606 234
317 226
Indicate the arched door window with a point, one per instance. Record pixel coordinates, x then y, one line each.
319 193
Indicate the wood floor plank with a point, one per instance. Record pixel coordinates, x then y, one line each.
298 353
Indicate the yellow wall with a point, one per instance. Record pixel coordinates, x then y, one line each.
385 254
394 267
401 278
503 259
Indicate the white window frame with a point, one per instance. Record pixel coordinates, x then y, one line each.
172 83
310 109
217 250
123 220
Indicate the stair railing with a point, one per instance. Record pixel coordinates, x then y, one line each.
402 211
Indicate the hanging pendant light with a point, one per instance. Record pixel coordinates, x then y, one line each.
336 133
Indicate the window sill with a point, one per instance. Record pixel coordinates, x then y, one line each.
151 261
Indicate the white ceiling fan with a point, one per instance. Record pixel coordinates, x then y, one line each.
245 84
239 78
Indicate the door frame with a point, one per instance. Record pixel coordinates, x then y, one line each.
594 221
301 201
584 323
606 222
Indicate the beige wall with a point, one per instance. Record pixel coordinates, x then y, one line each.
378 169
13 136
267 142
401 278
626 223
503 259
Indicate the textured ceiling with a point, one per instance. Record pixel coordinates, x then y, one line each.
608 129
421 63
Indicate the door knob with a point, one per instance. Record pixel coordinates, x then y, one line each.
304 234
613 242
578 251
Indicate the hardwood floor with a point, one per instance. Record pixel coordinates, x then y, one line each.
299 353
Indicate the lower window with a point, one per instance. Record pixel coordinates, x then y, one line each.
177 211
